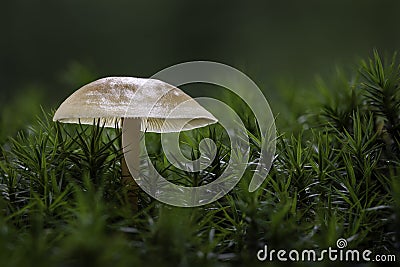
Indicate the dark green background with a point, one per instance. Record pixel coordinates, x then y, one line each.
56 46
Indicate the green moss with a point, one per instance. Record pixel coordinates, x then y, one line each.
62 201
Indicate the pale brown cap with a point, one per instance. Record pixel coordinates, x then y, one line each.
154 102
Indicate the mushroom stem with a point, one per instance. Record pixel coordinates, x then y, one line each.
133 141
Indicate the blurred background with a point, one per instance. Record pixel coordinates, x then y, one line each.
49 48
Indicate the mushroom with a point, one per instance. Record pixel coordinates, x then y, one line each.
142 104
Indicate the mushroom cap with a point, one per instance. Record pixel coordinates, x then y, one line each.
160 106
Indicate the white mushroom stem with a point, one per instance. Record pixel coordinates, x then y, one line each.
133 147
